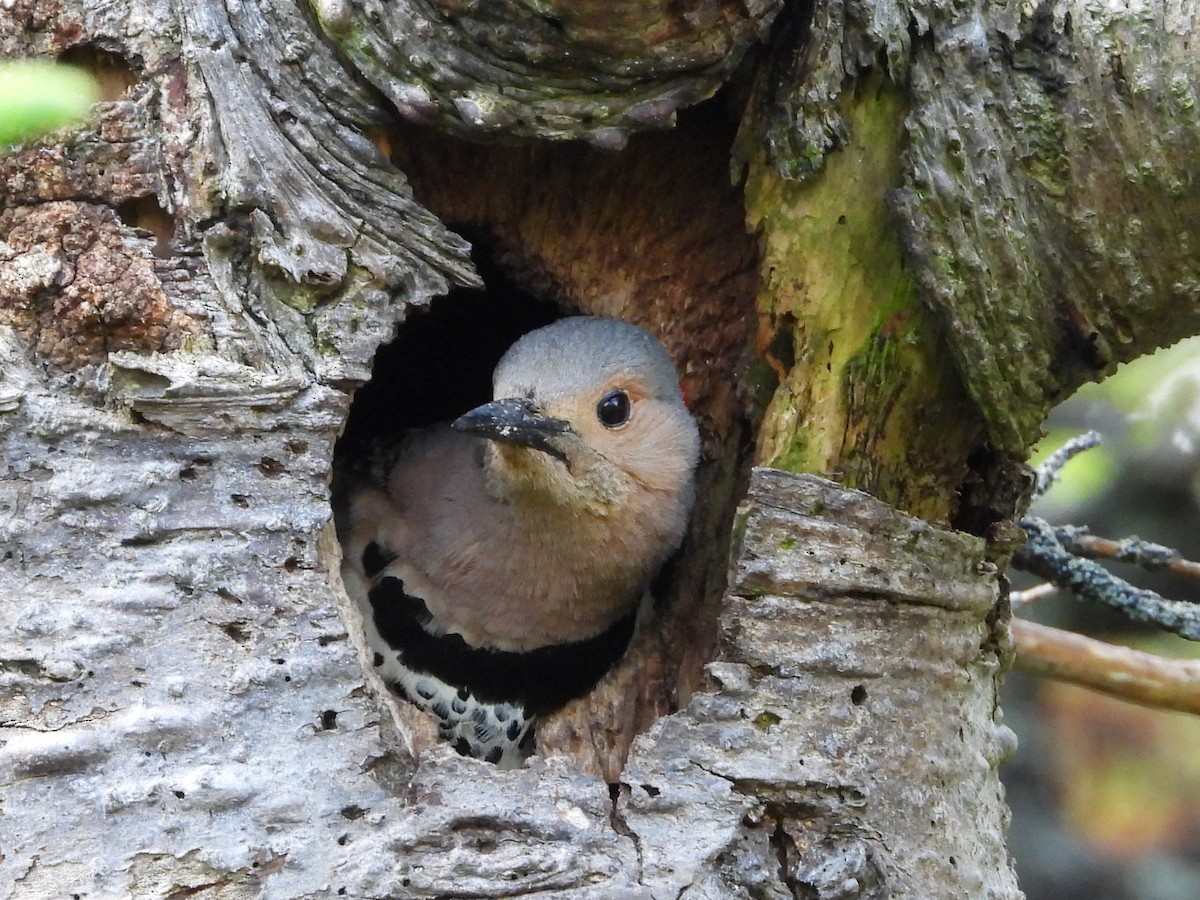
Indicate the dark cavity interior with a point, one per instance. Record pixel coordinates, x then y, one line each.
440 363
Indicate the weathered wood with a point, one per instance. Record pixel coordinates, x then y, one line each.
859 358
599 71
1047 200
165 677
852 740
1038 158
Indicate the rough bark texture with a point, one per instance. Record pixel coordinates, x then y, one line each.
193 283
598 70
857 653
1050 196
1045 197
803 772
1040 171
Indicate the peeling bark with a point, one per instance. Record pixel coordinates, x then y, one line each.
110 296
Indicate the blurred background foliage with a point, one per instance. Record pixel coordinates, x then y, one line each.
38 96
1105 794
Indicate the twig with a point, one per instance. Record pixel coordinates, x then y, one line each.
1044 555
1153 557
1048 471
1119 671
1063 556
1017 599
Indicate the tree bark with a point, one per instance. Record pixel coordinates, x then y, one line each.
959 212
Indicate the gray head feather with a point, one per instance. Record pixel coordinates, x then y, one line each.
568 356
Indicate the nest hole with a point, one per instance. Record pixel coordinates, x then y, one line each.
145 214
114 73
653 234
440 365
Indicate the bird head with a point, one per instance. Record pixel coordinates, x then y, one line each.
589 416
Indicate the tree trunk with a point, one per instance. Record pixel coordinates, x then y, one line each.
958 213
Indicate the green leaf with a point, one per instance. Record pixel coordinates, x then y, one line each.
38 96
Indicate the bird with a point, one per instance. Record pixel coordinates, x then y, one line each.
501 560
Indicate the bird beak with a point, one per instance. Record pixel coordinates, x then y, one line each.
515 421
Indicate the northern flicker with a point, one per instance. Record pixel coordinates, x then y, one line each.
500 559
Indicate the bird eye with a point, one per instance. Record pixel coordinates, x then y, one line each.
613 409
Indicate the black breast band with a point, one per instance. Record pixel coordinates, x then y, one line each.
541 680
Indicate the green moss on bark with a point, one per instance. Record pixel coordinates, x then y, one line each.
868 373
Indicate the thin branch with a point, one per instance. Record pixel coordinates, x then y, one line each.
1048 471
1044 555
1153 557
1118 671
1017 599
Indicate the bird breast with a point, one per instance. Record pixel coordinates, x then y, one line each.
512 577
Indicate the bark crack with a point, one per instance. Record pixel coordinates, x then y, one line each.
623 828
779 843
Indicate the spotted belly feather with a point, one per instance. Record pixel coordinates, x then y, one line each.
486 700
